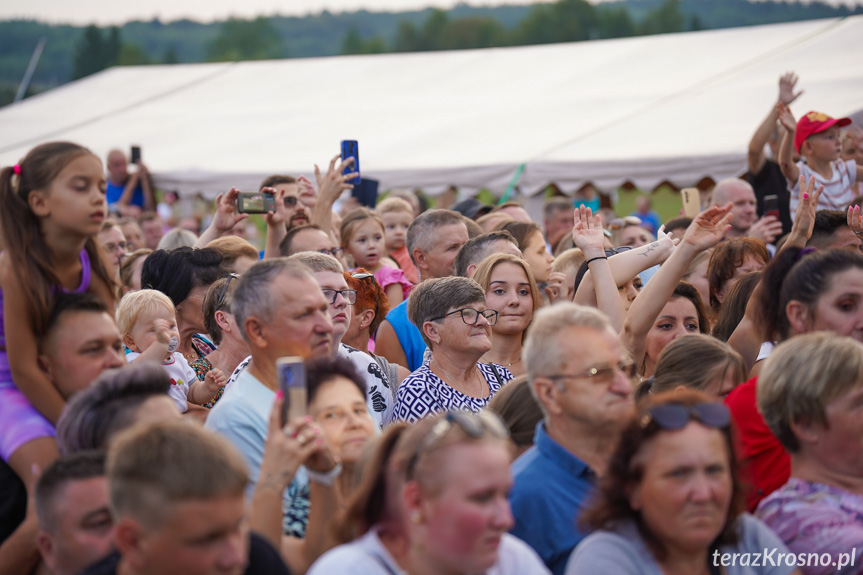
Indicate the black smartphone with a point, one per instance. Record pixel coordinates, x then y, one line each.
292 383
351 149
366 193
771 206
135 155
256 203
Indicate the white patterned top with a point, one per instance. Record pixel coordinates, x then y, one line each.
423 393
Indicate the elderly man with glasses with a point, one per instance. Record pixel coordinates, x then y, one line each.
582 379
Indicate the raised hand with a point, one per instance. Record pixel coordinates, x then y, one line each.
855 220
334 182
587 233
787 82
786 118
804 219
286 447
709 227
280 215
226 217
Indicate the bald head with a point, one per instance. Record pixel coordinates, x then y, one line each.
742 196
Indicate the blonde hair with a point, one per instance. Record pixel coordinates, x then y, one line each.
801 377
232 248
393 204
315 262
568 262
137 303
352 221
483 272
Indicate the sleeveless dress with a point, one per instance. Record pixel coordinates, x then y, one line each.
20 423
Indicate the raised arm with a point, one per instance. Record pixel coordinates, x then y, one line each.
707 229
756 157
330 187
224 219
587 235
746 339
786 160
276 230
626 265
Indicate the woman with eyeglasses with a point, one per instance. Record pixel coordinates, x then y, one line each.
455 323
232 354
671 501
433 501
511 290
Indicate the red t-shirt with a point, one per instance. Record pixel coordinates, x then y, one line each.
766 464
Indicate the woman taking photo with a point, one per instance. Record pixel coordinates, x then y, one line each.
455 323
670 502
511 290
433 501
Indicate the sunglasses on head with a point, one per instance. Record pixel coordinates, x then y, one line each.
474 425
671 416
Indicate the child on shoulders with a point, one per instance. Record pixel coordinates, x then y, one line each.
816 137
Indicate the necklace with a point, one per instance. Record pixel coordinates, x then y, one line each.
450 378
510 364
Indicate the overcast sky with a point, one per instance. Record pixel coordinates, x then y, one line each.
119 11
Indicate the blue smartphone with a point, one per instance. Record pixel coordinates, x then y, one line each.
292 381
351 149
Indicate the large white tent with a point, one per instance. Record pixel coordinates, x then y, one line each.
674 107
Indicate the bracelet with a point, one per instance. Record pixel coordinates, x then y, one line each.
327 478
596 258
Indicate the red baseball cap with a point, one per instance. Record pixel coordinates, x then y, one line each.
813 123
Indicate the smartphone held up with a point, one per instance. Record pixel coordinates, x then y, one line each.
292 383
256 203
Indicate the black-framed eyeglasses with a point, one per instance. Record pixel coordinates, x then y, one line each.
225 289
335 252
350 295
474 425
471 316
602 373
671 416
291 201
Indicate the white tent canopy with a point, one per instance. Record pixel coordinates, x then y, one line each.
674 107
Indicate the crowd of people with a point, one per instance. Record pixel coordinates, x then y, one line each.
482 392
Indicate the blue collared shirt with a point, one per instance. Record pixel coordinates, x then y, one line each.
550 487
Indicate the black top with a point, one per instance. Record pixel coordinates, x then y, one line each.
13 503
263 560
770 180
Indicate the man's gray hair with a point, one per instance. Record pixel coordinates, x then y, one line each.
475 250
252 297
422 233
434 297
318 262
543 355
